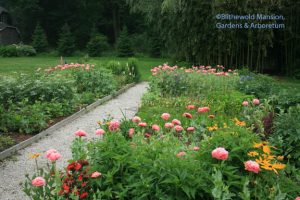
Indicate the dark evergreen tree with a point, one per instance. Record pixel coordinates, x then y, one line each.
124 47
39 39
66 42
97 44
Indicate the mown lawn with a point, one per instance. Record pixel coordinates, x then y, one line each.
8 66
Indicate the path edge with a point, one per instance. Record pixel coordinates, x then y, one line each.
12 150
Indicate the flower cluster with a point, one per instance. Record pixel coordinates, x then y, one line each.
69 66
265 159
218 70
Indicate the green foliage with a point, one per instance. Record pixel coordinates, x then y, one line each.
258 85
124 47
5 142
97 45
39 39
17 50
133 69
36 87
66 42
99 81
286 135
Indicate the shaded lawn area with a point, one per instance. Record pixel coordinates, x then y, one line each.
8 66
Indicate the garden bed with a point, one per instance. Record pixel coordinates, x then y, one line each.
201 133
32 103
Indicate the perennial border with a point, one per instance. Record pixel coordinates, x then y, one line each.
12 150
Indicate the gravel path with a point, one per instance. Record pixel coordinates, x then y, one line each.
12 172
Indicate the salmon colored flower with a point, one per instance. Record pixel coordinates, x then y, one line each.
187 115
96 174
255 102
190 107
169 125
220 153
165 116
100 132
49 152
142 124
203 109
245 103
113 125
147 135
178 128
297 198
54 156
252 166
196 148
80 133
155 127
83 195
136 119
176 122
38 182
191 129
131 132
181 154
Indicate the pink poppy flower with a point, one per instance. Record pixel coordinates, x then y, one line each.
220 153
191 129
196 148
297 198
96 174
165 116
255 102
38 182
181 154
136 119
100 131
203 109
169 125
245 103
54 156
252 166
187 115
155 127
113 125
176 122
190 107
147 135
131 132
142 124
80 133
49 152
178 128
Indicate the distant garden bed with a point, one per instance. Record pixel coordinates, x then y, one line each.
33 102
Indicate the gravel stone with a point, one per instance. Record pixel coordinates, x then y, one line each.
12 171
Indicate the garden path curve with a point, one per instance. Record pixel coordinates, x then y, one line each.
12 171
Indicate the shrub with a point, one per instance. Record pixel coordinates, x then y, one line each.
97 44
124 48
258 85
116 67
99 81
39 39
66 42
35 88
286 134
5 142
17 50
133 70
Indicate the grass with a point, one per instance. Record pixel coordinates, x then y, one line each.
8 66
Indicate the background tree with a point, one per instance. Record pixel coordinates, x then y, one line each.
39 39
124 48
66 42
97 45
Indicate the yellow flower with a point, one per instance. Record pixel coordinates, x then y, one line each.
278 166
280 158
239 123
35 156
253 153
225 125
257 145
266 149
99 122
